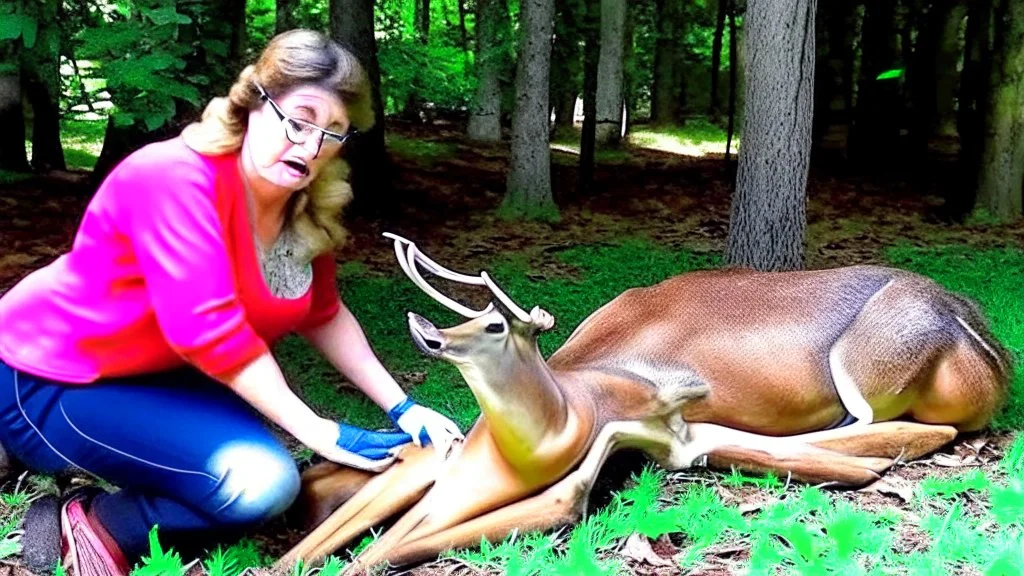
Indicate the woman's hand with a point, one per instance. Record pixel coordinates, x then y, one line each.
425 426
364 449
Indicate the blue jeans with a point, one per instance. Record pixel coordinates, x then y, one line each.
187 454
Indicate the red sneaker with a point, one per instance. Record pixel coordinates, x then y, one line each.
83 550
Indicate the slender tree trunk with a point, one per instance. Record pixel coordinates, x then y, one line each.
13 156
663 90
733 73
591 54
960 199
42 85
485 113
285 15
716 58
464 34
352 26
566 62
768 212
1001 171
528 192
835 52
946 59
610 72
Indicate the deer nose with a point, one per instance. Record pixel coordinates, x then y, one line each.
426 332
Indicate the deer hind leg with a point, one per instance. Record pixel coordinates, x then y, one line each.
562 503
850 456
379 498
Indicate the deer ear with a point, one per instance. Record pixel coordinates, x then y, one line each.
541 319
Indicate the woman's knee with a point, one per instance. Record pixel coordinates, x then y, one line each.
257 481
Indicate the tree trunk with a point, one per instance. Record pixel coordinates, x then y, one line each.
835 54
663 91
352 27
528 192
716 58
610 72
42 86
875 132
485 113
768 211
1001 171
464 34
591 54
285 15
566 62
13 156
946 59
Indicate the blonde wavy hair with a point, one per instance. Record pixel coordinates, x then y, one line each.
292 59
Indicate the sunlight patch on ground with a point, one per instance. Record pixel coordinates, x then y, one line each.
681 145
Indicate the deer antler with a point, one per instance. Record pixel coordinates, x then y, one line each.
412 255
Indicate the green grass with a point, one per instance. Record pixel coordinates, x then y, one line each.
970 520
82 141
423 151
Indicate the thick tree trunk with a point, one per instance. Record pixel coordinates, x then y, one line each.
13 156
875 132
716 58
1001 171
591 54
610 71
485 114
528 192
663 90
946 59
934 80
285 15
768 217
352 27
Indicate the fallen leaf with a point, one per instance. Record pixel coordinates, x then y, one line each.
947 460
892 485
638 547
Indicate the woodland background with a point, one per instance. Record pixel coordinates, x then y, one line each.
779 134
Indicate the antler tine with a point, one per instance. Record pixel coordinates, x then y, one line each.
412 255
435 268
519 313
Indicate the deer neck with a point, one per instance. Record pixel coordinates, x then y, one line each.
521 399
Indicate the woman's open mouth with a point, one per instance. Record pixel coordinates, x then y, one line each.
298 167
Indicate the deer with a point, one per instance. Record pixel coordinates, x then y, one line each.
828 376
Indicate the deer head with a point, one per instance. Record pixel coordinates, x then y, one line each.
495 349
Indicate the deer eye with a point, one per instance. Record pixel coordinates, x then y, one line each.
495 328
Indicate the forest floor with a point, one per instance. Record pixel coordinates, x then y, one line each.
650 213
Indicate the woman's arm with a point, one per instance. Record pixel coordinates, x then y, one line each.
342 341
262 385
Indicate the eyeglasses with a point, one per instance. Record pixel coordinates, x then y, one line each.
299 131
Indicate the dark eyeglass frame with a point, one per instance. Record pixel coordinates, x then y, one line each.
341 139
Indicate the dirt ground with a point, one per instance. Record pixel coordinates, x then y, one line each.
446 206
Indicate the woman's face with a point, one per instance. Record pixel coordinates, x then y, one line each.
290 152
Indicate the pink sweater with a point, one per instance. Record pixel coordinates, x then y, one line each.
163 272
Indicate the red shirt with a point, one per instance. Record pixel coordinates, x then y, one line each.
163 272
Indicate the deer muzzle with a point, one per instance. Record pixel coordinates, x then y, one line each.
426 336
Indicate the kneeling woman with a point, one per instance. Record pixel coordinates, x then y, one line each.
142 356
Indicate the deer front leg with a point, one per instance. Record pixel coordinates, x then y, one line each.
380 497
561 504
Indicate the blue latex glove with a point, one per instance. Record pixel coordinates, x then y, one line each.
369 444
399 410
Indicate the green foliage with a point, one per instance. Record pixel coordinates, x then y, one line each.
425 152
156 56
159 562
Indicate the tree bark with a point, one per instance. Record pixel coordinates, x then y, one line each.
566 61
285 15
1001 171
485 113
610 72
591 54
42 86
352 27
663 90
768 216
835 54
528 193
13 155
